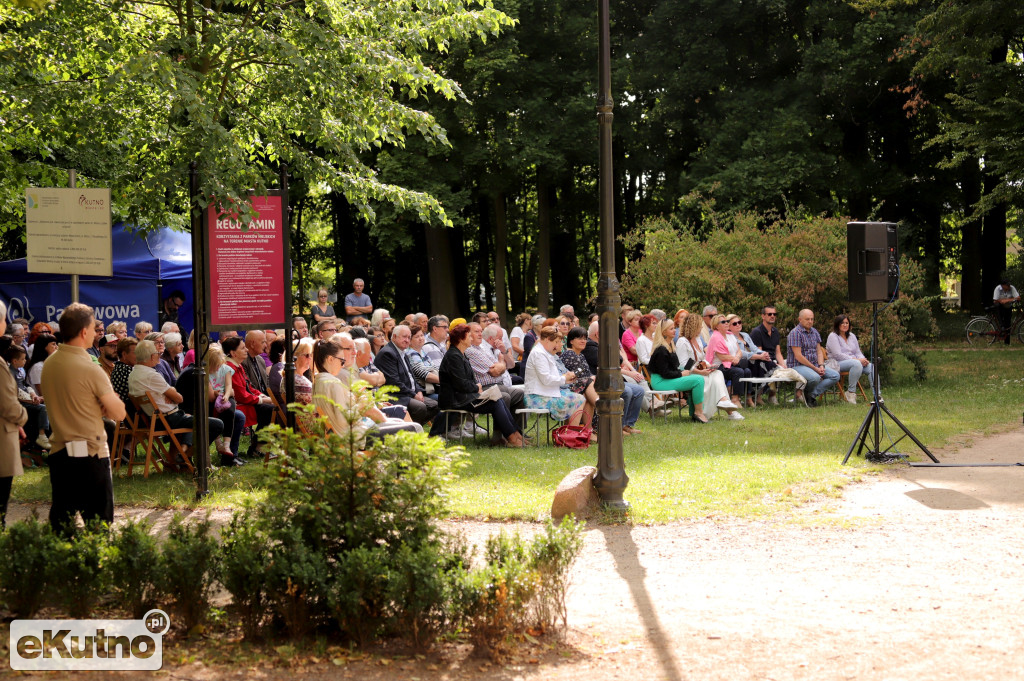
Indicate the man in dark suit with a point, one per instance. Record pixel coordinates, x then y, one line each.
393 364
255 367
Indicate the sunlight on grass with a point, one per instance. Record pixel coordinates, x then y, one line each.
776 458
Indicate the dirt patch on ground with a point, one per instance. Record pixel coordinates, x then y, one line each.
913 574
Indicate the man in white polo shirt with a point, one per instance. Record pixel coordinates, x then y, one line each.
1004 297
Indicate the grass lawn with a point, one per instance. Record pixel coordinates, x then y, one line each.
774 458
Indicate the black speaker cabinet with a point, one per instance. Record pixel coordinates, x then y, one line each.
872 260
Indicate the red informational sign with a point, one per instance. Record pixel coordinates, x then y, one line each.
247 274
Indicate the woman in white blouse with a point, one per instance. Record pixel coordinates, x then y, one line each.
645 343
546 387
843 347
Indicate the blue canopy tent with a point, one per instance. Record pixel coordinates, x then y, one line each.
146 269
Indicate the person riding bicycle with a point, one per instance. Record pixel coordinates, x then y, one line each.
1004 297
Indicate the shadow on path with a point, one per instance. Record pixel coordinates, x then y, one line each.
620 544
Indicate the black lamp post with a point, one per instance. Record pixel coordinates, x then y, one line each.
611 478
201 339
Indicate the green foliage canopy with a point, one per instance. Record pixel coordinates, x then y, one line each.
130 93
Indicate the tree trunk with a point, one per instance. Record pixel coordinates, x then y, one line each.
617 205
565 279
517 277
298 261
970 243
339 207
440 271
500 253
629 205
350 248
543 245
483 259
411 283
458 252
993 241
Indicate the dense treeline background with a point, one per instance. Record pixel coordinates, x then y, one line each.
898 110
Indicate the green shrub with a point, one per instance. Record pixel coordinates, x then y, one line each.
423 589
78 575
28 548
358 591
351 533
245 557
741 262
189 563
348 538
523 585
501 593
552 554
134 567
296 577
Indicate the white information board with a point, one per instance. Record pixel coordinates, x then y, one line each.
68 231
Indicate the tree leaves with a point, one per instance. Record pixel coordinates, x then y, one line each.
237 86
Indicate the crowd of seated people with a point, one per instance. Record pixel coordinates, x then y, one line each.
538 362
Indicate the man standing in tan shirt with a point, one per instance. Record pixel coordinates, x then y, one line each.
79 396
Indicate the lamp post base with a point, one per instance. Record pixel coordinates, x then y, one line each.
619 507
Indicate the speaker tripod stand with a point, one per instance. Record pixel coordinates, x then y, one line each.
873 421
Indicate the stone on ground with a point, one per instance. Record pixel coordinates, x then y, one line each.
575 494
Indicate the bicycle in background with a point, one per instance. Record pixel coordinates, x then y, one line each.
986 329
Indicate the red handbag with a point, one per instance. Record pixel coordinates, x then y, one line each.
573 437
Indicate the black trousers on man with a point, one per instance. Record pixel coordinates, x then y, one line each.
1005 313
79 485
264 415
422 412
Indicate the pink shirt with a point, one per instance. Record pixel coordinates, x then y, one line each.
721 346
629 343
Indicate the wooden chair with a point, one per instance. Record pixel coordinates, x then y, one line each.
280 414
127 432
310 426
839 389
154 427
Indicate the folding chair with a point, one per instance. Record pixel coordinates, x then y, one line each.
839 388
549 424
310 426
463 418
154 427
280 414
127 431
664 394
